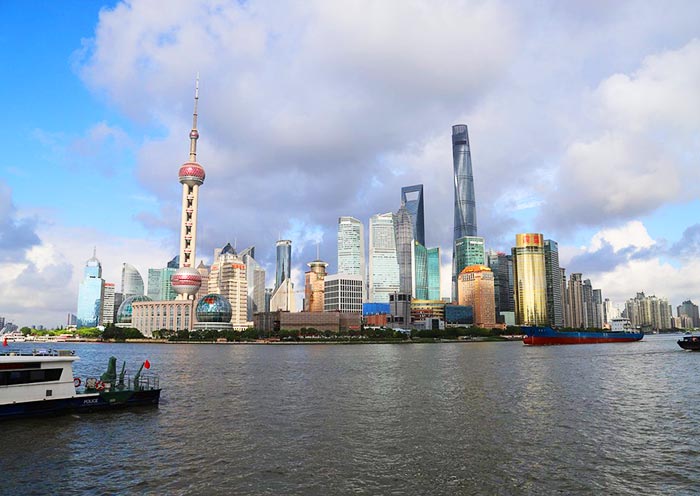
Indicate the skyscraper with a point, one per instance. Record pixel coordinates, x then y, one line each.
576 308
555 309
434 286
90 293
464 198
314 288
351 248
256 282
132 282
419 262
412 197
284 262
469 250
342 293
530 280
108 304
186 281
476 289
502 267
404 250
227 277
383 263
690 310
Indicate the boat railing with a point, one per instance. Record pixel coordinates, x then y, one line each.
36 352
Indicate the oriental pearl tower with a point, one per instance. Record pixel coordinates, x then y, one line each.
187 280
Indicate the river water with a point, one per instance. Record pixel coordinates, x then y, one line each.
445 418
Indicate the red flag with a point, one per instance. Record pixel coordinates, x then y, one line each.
4 341
147 364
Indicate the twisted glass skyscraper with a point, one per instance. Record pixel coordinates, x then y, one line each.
465 201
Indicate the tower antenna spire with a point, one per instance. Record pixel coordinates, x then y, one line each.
194 134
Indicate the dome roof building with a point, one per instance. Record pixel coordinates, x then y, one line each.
213 313
125 311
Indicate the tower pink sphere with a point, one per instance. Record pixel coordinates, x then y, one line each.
186 280
191 173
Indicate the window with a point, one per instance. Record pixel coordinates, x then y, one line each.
29 376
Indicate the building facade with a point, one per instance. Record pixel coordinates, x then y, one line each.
530 280
555 306
404 250
475 288
383 262
351 248
502 267
343 293
228 278
469 250
256 282
434 282
690 310
314 287
132 282
108 304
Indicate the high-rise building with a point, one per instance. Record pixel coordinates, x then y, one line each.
132 282
690 310
256 282
383 263
314 289
434 286
404 250
351 247
284 262
588 308
502 267
160 286
90 294
465 200
648 312
469 250
412 197
577 317
343 293
108 304
564 296
204 288
186 281
282 300
598 309
555 308
475 288
419 262
227 278
530 280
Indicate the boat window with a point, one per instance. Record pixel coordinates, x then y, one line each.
16 366
29 376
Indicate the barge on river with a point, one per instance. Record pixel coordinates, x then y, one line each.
41 382
539 336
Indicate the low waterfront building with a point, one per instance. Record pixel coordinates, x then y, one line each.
171 315
343 293
269 322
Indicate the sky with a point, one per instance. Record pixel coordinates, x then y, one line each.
584 124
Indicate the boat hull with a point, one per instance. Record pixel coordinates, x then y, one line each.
690 344
81 404
545 336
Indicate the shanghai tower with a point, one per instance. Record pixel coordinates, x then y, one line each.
465 201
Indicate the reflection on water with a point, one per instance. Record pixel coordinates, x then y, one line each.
474 418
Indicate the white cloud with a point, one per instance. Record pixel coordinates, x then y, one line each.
631 234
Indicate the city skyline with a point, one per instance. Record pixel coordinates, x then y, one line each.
621 205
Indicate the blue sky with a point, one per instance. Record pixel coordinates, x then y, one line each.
580 119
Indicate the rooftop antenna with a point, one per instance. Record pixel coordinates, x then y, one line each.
318 250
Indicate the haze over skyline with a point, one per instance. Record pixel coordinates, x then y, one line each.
582 118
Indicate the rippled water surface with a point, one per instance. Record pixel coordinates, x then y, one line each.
452 418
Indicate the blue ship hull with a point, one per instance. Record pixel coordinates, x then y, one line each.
540 336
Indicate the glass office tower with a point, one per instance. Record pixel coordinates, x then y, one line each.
284 261
434 274
464 198
91 294
530 280
412 197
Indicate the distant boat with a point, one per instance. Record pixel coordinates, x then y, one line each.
691 343
541 336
